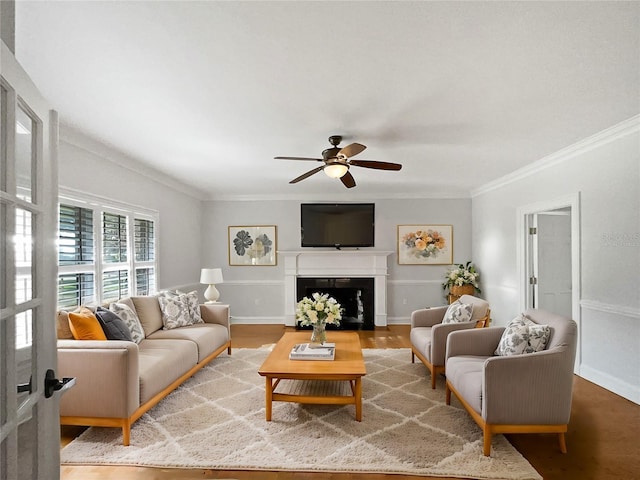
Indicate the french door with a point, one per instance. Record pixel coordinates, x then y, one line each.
29 418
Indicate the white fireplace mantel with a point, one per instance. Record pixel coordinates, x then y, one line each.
336 264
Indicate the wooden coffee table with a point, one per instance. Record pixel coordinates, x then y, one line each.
315 381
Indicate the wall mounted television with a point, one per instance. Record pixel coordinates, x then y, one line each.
337 225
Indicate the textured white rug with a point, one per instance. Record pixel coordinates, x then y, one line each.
216 420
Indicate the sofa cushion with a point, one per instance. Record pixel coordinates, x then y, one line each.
130 318
148 310
63 331
113 326
458 312
179 309
421 339
193 303
161 362
85 326
522 335
465 374
207 336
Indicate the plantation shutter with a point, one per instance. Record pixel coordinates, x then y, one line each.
144 240
114 238
75 236
75 289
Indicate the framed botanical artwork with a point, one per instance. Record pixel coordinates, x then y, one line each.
252 245
425 244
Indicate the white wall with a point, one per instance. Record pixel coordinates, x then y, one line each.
605 170
256 294
88 166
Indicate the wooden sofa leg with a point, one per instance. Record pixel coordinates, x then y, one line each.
229 350
413 357
486 450
563 442
447 394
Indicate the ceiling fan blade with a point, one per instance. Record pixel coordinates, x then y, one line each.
348 180
376 165
352 150
306 175
299 158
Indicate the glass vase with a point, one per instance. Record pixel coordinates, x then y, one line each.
319 334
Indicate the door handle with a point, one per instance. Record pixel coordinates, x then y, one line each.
52 384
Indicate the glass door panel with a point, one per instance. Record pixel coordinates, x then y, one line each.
25 127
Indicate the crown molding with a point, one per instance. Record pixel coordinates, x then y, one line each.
79 139
622 129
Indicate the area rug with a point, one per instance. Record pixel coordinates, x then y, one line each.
216 420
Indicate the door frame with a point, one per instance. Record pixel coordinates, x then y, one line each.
525 254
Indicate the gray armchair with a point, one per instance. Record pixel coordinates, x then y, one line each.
429 335
528 393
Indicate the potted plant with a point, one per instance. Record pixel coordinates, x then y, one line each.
462 280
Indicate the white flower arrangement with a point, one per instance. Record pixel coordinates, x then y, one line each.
320 309
463 274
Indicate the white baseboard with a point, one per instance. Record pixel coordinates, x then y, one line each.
611 383
256 320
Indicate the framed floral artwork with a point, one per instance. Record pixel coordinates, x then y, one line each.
252 245
425 244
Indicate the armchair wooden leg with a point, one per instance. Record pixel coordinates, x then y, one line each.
413 357
486 450
563 442
126 433
433 378
447 394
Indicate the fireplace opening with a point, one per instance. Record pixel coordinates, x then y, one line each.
355 296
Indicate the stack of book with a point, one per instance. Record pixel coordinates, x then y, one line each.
304 351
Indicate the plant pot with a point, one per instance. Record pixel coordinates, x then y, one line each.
459 290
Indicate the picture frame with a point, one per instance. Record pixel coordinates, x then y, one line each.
425 244
252 245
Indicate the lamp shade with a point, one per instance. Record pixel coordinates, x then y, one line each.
211 276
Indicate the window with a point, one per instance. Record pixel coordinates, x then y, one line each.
125 241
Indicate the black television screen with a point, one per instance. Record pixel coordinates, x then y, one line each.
337 224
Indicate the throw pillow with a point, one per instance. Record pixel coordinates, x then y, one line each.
521 336
194 306
113 326
458 312
85 326
130 318
175 311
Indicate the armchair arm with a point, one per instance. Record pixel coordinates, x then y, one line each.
477 341
107 380
439 334
533 389
427 317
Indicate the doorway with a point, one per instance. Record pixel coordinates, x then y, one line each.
549 258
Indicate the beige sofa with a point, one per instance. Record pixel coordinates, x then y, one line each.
118 381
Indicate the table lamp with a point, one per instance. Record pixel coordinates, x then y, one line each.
211 277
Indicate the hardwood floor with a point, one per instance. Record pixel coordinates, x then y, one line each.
601 440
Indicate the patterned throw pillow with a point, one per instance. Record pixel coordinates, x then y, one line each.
194 306
458 312
189 299
521 336
130 319
175 310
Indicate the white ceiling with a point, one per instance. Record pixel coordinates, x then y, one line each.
460 93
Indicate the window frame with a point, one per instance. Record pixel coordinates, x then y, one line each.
100 206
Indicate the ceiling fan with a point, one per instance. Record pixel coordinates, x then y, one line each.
336 162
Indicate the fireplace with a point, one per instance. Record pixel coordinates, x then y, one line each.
336 265
355 296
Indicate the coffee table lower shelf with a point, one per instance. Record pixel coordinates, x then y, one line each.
320 392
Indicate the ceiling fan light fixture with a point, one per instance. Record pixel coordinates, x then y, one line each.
336 170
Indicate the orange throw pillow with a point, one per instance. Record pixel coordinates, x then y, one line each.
85 326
